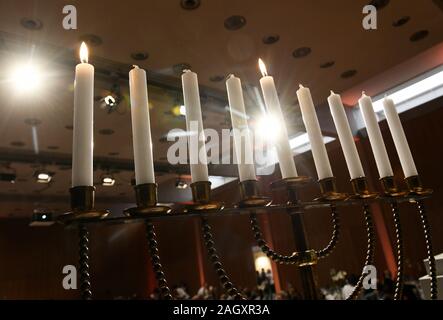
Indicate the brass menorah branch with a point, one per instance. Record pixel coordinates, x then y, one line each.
253 203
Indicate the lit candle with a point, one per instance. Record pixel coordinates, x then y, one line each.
194 126
246 168
399 137
141 127
82 146
281 141
345 135
375 137
310 120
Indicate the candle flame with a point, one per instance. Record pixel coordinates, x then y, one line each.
262 67
83 53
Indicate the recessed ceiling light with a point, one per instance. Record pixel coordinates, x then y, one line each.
106 132
31 23
327 64
379 4
217 78
402 21
180 183
139 56
179 67
273 38
419 35
348 74
17 144
110 101
108 181
43 176
91 40
33 121
301 52
190 4
235 22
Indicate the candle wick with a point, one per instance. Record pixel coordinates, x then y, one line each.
186 70
135 66
332 92
300 86
230 76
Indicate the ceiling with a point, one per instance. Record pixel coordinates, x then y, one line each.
173 37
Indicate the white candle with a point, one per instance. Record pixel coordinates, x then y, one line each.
141 127
82 145
345 135
310 120
194 126
284 152
375 137
399 137
242 140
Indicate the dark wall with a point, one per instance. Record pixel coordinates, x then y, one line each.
31 259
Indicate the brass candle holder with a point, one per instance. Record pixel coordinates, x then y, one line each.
201 196
291 185
329 191
250 195
146 200
415 187
390 188
82 205
361 190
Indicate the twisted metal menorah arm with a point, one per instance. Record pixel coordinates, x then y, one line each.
399 244
369 251
294 257
165 292
85 280
218 266
326 251
428 240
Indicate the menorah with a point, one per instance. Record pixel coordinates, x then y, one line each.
253 203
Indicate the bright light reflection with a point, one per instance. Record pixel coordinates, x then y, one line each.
267 128
26 78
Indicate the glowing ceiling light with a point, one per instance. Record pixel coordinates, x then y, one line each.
26 77
43 177
109 100
267 128
108 181
414 90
